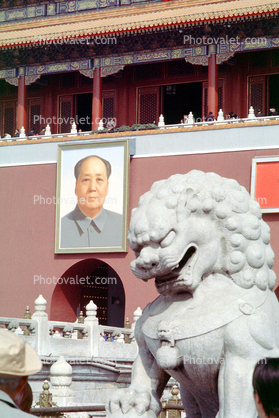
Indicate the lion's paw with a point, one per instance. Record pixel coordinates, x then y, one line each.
132 403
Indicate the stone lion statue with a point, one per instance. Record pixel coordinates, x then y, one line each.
202 238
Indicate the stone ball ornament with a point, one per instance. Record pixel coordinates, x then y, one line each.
202 238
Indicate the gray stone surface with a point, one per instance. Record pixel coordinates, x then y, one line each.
203 239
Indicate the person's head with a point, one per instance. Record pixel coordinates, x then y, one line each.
266 387
17 131
17 361
92 174
24 398
111 123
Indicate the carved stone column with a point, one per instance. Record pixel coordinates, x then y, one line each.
97 98
212 98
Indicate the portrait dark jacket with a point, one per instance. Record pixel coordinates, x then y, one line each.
79 231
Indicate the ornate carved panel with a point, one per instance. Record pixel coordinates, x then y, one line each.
34 113
257 93
66 113
108 104
9 110
148 105
204 99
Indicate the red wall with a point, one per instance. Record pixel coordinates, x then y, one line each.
27 230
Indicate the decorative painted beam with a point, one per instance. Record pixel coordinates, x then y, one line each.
196 55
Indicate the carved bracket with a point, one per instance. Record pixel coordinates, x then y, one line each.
111 69
12 80
224 57
29 79
87 73
203 59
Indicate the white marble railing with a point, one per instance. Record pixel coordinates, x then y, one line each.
88 339
191 122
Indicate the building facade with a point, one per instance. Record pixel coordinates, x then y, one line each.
28 171
86 60
133 61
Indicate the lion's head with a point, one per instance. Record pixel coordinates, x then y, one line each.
197 224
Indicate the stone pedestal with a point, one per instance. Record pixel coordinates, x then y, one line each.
61 380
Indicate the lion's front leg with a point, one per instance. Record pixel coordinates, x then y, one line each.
190 404
246 340
235 388
244 346
142 397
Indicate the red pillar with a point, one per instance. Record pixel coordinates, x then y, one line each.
22 103
97 98
212 92
49 104
121 113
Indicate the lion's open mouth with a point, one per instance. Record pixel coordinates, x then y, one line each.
172 276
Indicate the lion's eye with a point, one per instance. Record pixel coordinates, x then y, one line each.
137 249
168 239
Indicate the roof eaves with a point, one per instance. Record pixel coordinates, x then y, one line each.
148 19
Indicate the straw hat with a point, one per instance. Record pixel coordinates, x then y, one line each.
17 358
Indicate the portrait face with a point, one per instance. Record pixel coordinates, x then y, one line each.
92 186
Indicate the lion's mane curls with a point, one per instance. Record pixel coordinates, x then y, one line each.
248 254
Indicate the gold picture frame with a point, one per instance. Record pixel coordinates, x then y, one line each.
75 231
